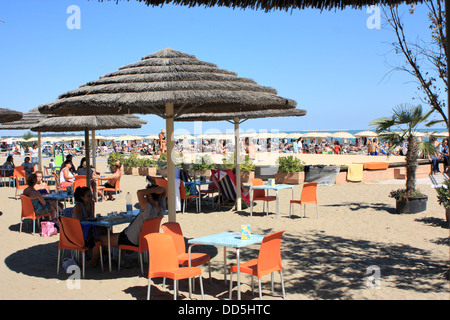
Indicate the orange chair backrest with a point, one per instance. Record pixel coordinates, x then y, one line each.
117 185
161 253
19 172
80 181
162 183
269 258
150 226
70 232
27 207
174 230
309 193
258 193
182 190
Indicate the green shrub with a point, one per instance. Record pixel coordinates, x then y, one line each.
290 164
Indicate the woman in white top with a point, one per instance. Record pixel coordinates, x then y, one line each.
66 178
34 155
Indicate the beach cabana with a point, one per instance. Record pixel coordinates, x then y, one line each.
236 119
8 115
87 123
168 83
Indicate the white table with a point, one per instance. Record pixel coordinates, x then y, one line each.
227 239
268 187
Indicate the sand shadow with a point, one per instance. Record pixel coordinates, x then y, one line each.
356 206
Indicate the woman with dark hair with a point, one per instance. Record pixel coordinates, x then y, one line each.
40 205
8 167
66 177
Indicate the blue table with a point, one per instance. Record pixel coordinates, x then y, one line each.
199 184
268 187
58 196
227 239
110 221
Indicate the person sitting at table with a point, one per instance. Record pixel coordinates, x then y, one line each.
84 209
8 167
81 170
40 205
28 166
66 177
43 188
153 205
72 167
112 179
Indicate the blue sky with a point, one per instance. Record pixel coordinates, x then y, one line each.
329 62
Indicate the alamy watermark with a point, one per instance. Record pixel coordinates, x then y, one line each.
74 20
374 20
373 281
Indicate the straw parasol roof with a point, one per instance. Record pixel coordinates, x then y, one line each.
82 123
29 119
314 135
279 5
8 115
366 133
342 135
167 76
241 115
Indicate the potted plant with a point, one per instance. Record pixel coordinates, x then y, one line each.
401 128
290 170
131 164
147 167
247 169
202 165
443 195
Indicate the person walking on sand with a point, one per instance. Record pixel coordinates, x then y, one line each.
373 148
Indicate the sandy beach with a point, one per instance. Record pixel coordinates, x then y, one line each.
325 258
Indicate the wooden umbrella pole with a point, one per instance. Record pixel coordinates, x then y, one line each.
237 154
88 160
171 198
94 149
40 151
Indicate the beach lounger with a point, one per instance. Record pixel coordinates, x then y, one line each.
226 181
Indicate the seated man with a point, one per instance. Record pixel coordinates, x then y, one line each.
153 205
112 179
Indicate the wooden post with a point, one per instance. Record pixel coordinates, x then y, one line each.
88 160
39 151
171 198
94 149
237 154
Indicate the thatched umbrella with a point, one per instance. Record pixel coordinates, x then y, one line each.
29 119
86 123
236 119
8 115
168 83
268 5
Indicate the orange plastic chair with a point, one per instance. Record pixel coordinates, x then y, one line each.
162 183
163 263
150 226
184 197
19 173
308 196
261 194
269 261
174 230
28 212
71 238
116 188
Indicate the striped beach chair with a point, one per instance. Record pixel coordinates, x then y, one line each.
226 181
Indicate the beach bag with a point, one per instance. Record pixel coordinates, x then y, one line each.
190 188
67 262
48 228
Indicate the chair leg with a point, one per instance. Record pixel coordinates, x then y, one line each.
20 229
282 284
317 210
175 293
57 266
259 288
118 266
148 288
142 266
201 286
101 258
231 285
84 263
271 280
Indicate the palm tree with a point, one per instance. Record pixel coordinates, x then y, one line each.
403 126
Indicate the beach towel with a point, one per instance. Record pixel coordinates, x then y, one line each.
355 172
